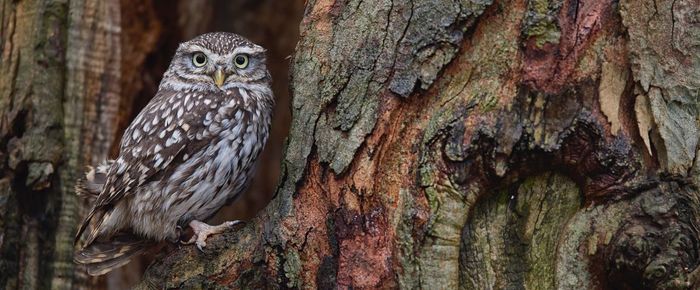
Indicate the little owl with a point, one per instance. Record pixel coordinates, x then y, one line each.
191 150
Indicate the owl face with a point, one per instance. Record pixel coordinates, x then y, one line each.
215 62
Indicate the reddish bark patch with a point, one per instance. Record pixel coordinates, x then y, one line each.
365 252
365 238
231 274
312 204
320 15
549 67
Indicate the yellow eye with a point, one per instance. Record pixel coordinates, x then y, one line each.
199 59
241 61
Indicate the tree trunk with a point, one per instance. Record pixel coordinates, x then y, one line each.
53 104
479 145
436 144
60 90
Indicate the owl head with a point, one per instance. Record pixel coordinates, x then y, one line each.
217 61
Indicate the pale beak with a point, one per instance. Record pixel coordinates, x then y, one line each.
219 77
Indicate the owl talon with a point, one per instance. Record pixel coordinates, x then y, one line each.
178 236
203 230
192 239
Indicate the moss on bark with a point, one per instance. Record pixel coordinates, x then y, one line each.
475 145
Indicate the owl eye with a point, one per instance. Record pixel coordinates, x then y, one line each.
199 59
241 61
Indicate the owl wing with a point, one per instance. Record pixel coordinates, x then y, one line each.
170 129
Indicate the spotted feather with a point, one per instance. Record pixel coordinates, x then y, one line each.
192 148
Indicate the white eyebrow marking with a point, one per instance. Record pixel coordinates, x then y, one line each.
248 50
195 47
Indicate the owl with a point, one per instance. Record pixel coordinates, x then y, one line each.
190 151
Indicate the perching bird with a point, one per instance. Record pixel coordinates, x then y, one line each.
191 150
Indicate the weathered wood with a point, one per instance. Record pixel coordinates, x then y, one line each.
93 90
435 144
32 38
59 98
505 144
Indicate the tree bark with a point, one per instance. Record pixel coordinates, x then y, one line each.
74 73
60 94
31 137
478 145
436 144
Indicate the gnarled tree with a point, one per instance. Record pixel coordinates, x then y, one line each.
479 144
56 114
435 144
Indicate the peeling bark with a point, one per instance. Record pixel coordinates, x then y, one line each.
435 144
478 144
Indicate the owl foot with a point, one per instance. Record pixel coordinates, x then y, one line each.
203 230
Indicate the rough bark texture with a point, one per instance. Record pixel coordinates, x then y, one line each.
52 105
436 144
479 144
32 38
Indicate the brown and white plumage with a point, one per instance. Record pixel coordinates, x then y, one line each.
192 149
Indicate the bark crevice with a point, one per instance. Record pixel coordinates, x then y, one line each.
483 145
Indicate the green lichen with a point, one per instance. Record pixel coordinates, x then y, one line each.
540 22
476 88
517 234
405 241
438 259
292 268
551 204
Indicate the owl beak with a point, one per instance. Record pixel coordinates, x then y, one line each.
219 77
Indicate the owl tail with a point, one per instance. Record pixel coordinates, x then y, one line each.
102 257
90 185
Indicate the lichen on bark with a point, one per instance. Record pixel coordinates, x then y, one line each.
515 235
31 138
474 145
